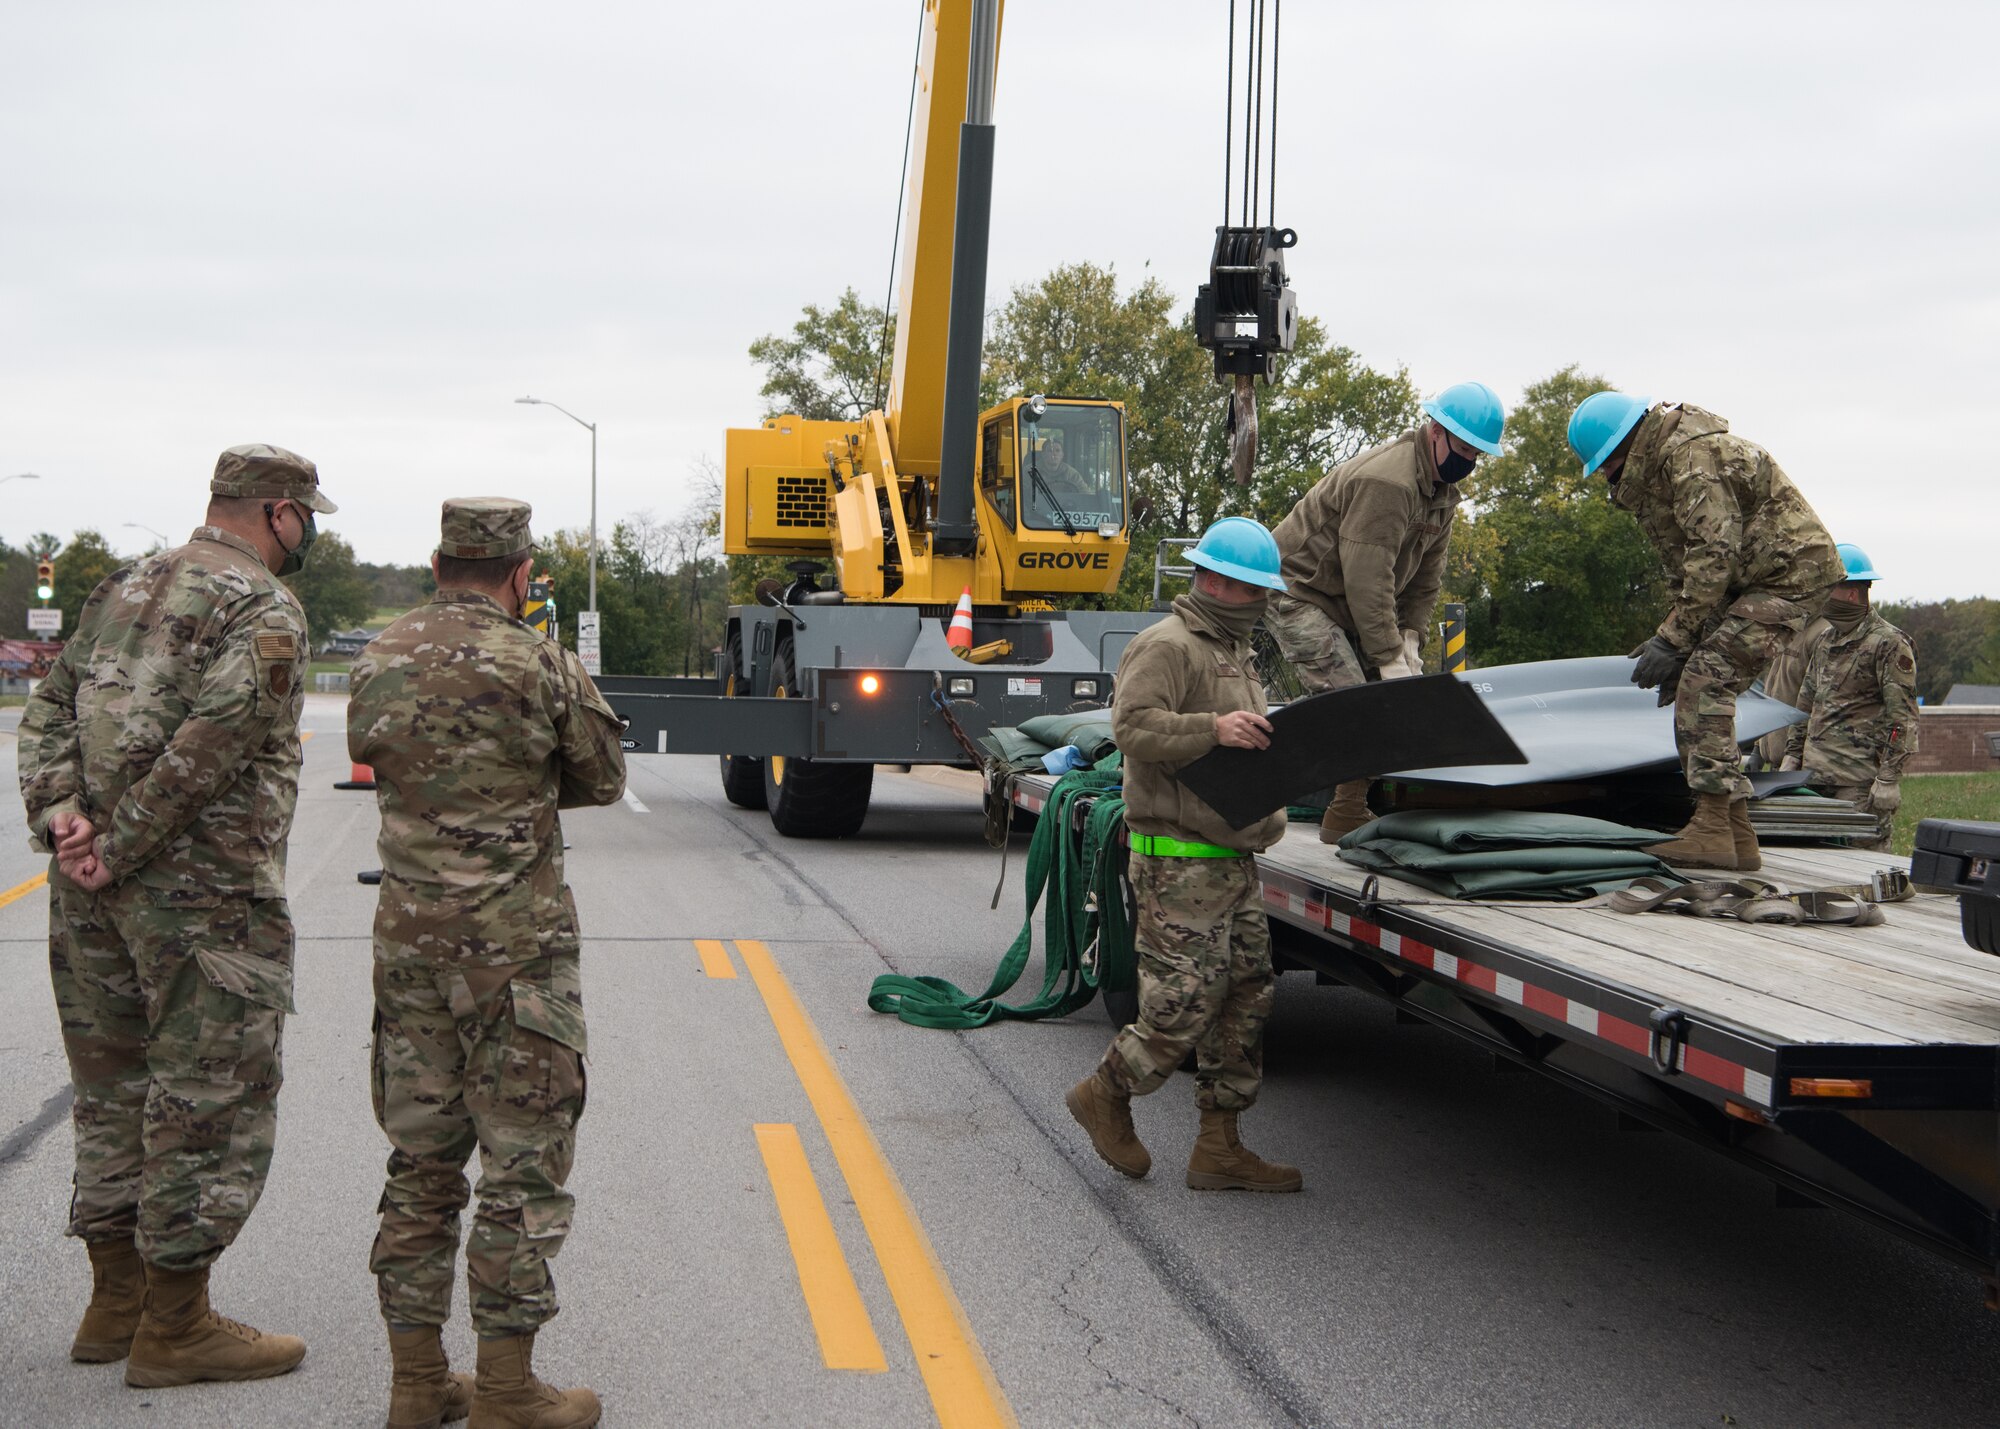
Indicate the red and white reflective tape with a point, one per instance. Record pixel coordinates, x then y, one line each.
1731 1077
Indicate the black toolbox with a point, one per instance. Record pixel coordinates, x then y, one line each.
1962 857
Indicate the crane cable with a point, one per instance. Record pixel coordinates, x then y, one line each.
1242 245
1260 161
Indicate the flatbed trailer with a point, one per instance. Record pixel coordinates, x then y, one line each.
1855 1067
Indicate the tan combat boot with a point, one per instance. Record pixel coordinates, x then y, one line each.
1106 1113
423 1392
1347 812
506 1395
181 1340
117 1290
1221 1162
1708 840
1748 858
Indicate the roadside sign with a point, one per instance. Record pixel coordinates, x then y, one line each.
587 649
45 618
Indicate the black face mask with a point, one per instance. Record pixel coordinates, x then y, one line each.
1455 467
294 559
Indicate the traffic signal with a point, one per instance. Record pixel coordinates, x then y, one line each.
45 578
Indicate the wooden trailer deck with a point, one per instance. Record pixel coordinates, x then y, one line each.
1911 980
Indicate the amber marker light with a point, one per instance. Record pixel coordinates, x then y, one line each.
870 684
1832 1087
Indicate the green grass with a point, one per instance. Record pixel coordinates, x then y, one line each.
1945 796
382 616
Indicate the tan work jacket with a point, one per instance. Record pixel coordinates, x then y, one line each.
1367 544
1174 679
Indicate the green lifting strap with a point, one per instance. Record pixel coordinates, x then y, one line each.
1080 873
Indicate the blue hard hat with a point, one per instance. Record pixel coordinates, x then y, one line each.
1859 567
1600 422
1241 549
1470 411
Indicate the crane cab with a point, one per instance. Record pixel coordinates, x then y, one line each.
1052 495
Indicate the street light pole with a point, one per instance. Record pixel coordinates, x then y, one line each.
142 526
592 426
23 476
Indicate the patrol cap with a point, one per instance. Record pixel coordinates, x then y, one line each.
260 469
483 528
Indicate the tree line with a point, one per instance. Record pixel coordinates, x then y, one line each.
1545 565
661 584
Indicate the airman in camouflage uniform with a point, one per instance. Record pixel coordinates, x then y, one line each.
1782 680
160 761
1860 695
1748 564
478 730
1184 686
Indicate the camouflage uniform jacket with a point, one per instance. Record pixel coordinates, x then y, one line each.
171 721
1173 680
1728 523
1367 544
1860 691
478 729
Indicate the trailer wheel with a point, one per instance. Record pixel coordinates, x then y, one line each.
807 799
742 774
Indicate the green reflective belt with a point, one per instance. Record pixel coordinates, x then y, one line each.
1160 846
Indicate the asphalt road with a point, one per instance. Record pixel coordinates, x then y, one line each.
1471 1247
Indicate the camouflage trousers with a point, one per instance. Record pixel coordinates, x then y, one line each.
1727 659
1205 980
173 1011
486 1059
1313 643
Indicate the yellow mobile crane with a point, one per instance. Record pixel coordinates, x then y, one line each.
908 509
930 499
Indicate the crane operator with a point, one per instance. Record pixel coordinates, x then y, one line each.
1053 484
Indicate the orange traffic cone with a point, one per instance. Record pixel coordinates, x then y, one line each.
362 777
959 635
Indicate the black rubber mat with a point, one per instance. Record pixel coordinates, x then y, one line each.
1430 722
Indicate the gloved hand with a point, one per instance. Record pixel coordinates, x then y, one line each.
1398 669
1885 796
1658 664
1670 688
1413 644
1790 763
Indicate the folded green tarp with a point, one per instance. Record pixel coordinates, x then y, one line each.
1464 830
1088 730
1022 746
1500 853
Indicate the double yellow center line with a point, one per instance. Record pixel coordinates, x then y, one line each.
963 1390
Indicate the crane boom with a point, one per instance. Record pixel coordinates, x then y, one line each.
916 400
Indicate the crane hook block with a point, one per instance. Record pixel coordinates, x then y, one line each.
1246 313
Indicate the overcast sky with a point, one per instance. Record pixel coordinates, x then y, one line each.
361 230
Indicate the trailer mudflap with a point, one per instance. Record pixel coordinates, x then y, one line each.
717 724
